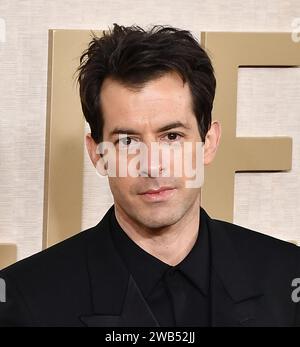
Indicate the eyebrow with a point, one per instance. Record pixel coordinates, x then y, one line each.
173 125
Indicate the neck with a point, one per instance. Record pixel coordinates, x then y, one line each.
170 244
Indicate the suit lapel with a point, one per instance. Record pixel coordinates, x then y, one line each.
135 312
236 299
116 300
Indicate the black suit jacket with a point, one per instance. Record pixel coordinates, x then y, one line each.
83 282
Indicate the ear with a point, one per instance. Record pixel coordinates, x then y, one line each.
96 158
211 143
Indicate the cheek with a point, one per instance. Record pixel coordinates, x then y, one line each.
121 186
184 160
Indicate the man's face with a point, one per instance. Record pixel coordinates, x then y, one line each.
161 102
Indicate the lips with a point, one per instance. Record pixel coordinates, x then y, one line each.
158 195
156 191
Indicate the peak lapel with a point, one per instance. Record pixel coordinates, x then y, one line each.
135 312
116 299
236 298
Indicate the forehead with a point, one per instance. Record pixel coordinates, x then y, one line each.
162 100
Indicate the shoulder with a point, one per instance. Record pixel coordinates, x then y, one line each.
54 284
64 256
50 285
65 260
261 250
246 237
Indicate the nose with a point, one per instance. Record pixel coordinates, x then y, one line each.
150 163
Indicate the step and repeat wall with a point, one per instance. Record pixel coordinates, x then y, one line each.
49 189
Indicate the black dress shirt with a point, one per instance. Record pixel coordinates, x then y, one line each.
177 295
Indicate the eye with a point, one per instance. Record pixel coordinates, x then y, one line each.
173 136
126 141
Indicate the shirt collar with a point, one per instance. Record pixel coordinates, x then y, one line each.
196 265
147 270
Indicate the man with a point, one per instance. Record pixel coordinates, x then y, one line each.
156 258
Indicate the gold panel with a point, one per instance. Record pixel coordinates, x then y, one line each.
229 51
64 137
8 254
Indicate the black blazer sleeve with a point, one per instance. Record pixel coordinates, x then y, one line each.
14 311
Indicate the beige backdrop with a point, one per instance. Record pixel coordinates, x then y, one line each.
268 105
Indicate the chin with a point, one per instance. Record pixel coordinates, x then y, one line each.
159 220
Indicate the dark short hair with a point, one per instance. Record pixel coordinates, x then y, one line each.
133 57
